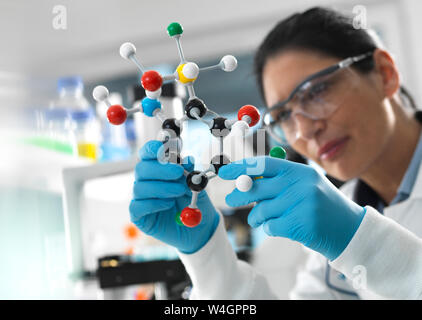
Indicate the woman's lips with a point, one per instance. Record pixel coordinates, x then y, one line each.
332 148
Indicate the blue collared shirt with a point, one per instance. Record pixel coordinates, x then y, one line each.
408 181
365 195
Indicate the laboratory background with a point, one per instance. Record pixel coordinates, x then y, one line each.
66 181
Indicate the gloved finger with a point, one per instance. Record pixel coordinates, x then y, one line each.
257 166
262 189
158 189
140 208
278 227
150 150
153 170
188 163
279 206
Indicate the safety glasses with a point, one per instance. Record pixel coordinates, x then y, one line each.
316 97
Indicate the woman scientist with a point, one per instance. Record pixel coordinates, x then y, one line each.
335 96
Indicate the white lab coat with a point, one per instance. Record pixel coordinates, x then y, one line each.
382 261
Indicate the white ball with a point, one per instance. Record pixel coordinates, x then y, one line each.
100 93
127 49
229 63
228 124
196 179
240 128
153 94
190 70
244 183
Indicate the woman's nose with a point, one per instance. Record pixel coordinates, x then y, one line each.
307 128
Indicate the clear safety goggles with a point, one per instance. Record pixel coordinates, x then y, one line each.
316 97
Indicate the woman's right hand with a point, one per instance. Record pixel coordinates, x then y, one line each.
160 192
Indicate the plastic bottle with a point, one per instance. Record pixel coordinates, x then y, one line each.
56 133
81 122
56 125
87 133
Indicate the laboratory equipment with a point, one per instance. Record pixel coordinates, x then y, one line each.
72 121
131 233
56 122
56 132
87 133
168 275
195 109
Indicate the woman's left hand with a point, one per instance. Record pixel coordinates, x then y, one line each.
296 202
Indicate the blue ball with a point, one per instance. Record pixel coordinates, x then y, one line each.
149 105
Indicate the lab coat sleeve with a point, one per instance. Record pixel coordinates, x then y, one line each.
216 272
383 257
310 280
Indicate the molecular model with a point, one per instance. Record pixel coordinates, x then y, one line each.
195 109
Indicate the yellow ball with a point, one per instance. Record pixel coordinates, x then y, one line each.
182 77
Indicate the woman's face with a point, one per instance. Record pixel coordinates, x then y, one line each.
349 140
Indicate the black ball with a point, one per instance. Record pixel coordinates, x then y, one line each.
218 161
170 124
196 187
218 128
198 104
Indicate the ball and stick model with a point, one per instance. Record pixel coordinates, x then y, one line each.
186 73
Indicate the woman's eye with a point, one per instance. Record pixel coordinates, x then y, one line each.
318 88
284 115
314 92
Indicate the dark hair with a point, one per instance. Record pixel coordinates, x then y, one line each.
322 30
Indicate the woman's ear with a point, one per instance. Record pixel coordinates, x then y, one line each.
388 72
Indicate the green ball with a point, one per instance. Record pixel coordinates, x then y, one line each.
177 218
174 29
278 152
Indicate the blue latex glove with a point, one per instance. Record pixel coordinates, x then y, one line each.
296 202
159 192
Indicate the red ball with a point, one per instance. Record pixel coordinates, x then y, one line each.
190 217
251 111
151 80
116 114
